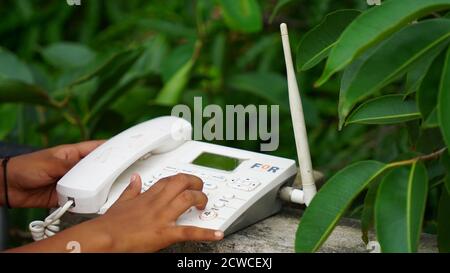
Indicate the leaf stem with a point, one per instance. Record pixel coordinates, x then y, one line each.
411 161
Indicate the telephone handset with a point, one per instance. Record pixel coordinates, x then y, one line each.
89 182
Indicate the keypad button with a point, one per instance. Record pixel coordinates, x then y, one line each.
208 215
209 185
170 169
203 176
228 196
233 180
219 204
218 178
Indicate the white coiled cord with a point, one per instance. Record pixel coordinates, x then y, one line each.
50 226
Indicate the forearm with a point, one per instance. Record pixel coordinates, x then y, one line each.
90 236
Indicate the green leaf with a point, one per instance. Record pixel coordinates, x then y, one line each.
256 51
400 207
171 92
68 55
12 67
100 68
427 95
19 92
278 7
270 86
367 215
317 43
432 120
8 114
443 219
242 15
373 26
392 59
385 110
443 108
331 201
176 59
416 75
110 76
167 27
447 183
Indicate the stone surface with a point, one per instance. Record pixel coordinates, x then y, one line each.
276 234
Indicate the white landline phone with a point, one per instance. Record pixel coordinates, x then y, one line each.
242 187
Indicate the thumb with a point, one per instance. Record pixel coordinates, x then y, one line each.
133 189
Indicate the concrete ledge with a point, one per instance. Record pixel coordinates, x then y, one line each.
276 234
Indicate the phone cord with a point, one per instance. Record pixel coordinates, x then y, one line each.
50 226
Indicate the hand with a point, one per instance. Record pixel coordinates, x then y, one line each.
146 222
32 177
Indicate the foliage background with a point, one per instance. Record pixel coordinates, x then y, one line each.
70 73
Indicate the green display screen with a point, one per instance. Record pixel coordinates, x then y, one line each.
216 161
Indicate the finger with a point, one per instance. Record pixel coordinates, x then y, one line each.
190 233
72 153
184 201
133 189
85 148
177 184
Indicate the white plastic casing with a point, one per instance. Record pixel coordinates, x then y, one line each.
226 201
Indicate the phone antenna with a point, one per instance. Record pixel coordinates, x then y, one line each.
298 122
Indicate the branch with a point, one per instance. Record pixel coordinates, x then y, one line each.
431 156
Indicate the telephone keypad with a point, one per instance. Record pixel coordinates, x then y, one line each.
222 203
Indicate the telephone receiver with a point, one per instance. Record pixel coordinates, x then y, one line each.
88 184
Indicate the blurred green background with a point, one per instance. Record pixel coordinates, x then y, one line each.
69 73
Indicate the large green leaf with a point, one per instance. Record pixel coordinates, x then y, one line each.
392 59
385 110
19 92
12 67
171 92
318 42
331 201
68 55
242 15
400 207
443 229
373 26
443 108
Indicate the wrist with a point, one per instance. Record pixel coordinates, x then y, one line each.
100 238
7 188
4 179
